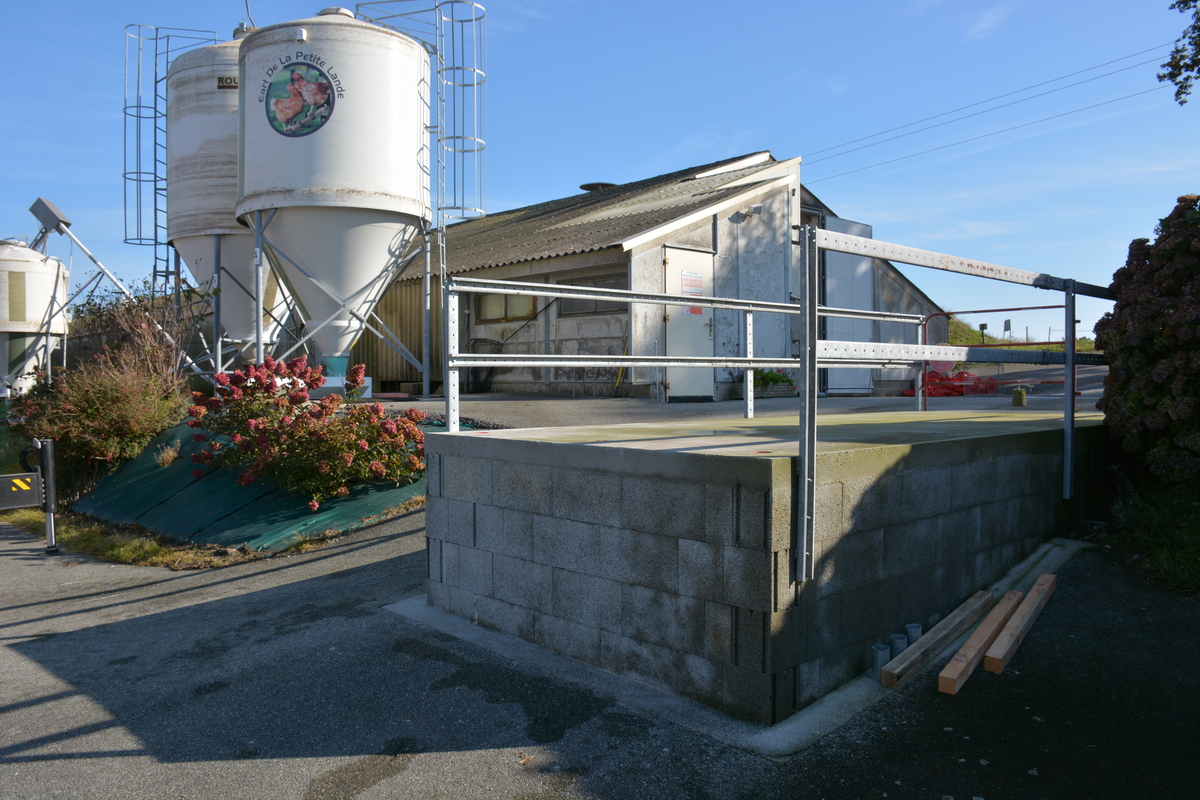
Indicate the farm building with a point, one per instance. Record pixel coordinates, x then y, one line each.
723 229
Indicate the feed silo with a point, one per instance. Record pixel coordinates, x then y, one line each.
202 155
334 161
33 323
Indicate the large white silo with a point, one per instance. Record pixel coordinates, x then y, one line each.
202 155
334 160
33 295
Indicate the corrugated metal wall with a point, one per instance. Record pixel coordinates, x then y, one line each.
402 310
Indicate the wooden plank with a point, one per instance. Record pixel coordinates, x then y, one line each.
1022 620
955 674
909 663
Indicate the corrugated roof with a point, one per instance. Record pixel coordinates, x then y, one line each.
596 220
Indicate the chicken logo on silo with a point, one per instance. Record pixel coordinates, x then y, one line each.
299 99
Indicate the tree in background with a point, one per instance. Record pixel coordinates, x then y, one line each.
1183 66
1151 399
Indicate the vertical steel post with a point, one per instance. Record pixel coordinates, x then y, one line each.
49 499
258 287
178 275
49 323
1069 392
451 377
218 336
748 377
426 344
806 464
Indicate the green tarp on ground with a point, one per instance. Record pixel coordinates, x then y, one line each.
214 509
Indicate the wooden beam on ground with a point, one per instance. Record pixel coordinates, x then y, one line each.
1022 620
955 674
925 649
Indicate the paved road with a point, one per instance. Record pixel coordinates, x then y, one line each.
286 678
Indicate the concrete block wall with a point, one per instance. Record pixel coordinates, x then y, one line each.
675 568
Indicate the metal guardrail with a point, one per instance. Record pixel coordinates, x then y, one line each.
815 354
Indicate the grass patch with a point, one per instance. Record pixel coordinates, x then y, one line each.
1156 530
133 544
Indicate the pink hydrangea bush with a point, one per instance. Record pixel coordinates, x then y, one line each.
262 420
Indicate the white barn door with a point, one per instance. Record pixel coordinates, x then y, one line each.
689 328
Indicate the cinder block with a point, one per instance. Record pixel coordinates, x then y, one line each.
1013 476
438 595
652 663
999 522
433 559
581 642
750 639
643 559
747 694
925 591
925 492
668 508
504 531
567 544
872 502
748 576
718 632
958 533
720 523
784 589
910 546
783 694
869 611
752 521
587 496
808 683
522 583
523 487
973 483
467 568
468 479
698 678
507 618
701 570
460 523
786 638
462 603
585 599
437 517
824 629
847 563
827 502
433 475
662 618
842 666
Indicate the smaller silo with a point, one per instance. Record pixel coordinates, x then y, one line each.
202 156
33 322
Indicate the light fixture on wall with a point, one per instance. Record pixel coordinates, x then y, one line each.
755 210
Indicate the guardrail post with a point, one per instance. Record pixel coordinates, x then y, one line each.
451 381
1069 392
806 466
748 376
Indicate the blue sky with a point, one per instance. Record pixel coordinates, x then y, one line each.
618 91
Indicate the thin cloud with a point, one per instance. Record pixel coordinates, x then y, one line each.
989 21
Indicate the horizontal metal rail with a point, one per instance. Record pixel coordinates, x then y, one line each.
857 245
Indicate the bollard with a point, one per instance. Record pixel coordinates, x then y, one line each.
899 642
1018 397
46 457
913 631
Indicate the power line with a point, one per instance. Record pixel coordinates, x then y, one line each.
984 111
986 135
997 97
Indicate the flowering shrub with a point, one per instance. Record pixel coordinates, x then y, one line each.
1152 339
124 386
263 420
766 377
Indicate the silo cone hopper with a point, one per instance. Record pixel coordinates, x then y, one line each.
338 262
237 285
